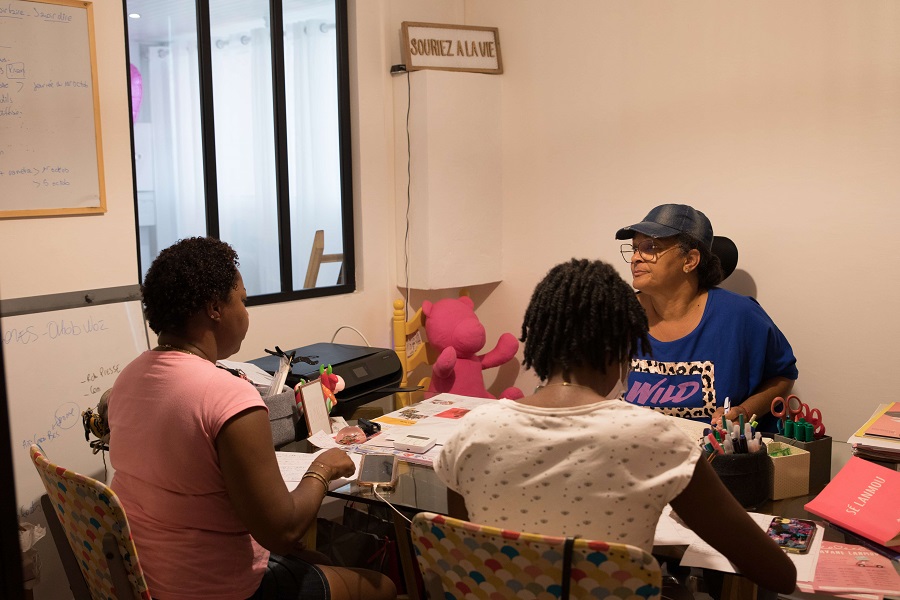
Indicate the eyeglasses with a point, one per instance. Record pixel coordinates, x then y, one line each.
648 249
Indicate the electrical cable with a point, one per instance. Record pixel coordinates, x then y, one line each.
386 501
408 193
354 329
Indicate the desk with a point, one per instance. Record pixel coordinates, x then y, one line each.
419 489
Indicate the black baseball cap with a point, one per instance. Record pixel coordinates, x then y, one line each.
667 220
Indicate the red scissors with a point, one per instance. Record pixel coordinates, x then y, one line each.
792 408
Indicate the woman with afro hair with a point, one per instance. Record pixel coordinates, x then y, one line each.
192 450
573 459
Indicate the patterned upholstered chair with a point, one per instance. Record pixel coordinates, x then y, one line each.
476 561
95 525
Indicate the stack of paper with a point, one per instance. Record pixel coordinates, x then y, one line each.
847 569
437 417
879 438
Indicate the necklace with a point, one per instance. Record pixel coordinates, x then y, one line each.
566 384
184 350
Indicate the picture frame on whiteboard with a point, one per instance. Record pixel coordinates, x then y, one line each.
447 47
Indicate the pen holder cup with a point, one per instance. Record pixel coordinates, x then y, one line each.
745 475
790 473
819 460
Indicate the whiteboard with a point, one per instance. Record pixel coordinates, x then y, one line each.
58 364
50 151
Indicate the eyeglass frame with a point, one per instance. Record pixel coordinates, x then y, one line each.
627 250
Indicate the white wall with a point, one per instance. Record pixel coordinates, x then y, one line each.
59 254
779 120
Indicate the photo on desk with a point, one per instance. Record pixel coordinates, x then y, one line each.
314 409
793 535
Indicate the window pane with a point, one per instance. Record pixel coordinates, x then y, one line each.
245 147
311 93
165 93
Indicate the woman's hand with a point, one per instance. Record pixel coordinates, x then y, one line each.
731 415
716 419
334 464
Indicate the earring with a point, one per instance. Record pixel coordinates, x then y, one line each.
687 270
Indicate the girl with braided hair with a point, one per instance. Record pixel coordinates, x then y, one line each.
573 459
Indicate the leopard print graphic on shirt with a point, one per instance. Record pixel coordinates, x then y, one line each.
640 395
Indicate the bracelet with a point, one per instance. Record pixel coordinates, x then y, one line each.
324 466
325 475
314 475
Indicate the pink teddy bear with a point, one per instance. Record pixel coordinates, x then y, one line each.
455 331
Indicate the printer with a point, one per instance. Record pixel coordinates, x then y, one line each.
368 373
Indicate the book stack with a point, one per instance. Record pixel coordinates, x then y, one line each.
863 498
879 438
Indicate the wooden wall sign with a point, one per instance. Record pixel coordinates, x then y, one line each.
451 47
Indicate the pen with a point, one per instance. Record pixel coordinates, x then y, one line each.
729 447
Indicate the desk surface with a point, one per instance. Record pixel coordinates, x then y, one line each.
419 489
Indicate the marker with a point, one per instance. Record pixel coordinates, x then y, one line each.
741 421
729 447
715 445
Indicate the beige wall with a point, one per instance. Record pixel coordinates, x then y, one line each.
779 120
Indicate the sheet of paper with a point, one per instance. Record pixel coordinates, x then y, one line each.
692 429
321 439
294 464
845 568
256 375
433 427
450 406
455 400
670 531
701 554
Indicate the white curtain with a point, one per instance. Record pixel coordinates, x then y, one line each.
174 103
312 118
245 159
245 156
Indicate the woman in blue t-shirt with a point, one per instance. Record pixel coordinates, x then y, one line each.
708 344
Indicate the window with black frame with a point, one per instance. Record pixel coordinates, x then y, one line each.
244 135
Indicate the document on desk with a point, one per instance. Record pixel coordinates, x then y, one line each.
701 554
447 406
256 375
670 531
294 464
